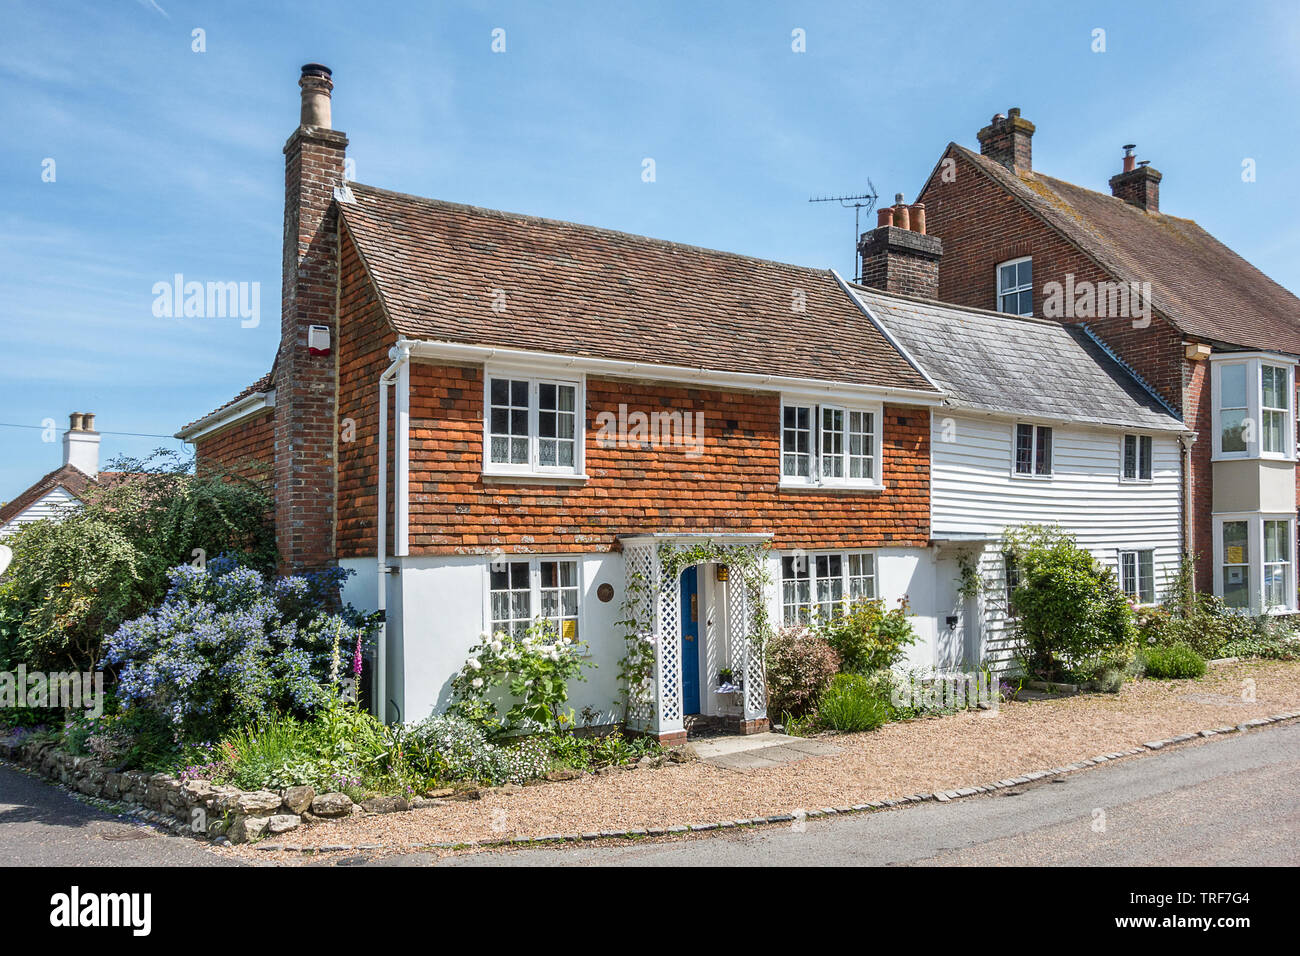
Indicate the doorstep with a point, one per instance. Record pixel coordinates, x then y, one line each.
760 750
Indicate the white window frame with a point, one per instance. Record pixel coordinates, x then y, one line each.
809 562
818 464
1136 593
1255 558
1014 290
1141 441
1253 364
533 467
1033 474
535 588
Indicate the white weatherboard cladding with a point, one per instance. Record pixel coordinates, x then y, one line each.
54 504
974 492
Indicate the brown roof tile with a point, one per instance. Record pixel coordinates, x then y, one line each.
263 384
1197 282
580 290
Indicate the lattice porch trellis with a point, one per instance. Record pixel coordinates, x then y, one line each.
656 707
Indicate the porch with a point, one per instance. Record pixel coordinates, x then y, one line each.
698 601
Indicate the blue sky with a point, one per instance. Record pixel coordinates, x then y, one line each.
169 161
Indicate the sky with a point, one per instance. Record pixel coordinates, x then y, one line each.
129 156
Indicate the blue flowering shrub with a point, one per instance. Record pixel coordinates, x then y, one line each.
230 646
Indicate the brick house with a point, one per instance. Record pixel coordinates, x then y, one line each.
493 418
1211 335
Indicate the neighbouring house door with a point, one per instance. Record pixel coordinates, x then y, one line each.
690 642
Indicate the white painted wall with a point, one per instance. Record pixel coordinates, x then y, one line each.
974 492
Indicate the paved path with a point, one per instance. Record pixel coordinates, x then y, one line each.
1232 800
759 750
41 825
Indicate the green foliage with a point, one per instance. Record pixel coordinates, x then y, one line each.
1071 616
590 751
867 636
800 666
854 703
75 580
534 671
447 748
1176 661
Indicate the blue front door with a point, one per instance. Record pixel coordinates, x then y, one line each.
690 642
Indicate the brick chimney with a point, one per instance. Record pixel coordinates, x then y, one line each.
1139 184
81 444
897 256
305 399
1009 140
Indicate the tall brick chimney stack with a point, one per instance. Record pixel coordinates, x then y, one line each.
1138 185
1009 140
305 410
897 256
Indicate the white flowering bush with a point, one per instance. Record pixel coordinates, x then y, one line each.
449 747
530 674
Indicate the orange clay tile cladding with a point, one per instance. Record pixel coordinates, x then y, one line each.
731 486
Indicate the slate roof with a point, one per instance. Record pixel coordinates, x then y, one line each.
992 362
69 477
1197 282
580 290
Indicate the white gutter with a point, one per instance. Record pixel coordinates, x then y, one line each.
620 368
248 405
400 354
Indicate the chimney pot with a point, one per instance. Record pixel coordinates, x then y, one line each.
1129 158
88 421
316 85
74 422
885 217
901 217
918 217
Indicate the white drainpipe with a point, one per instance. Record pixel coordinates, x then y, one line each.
400 354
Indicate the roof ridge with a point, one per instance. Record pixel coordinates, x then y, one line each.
585 227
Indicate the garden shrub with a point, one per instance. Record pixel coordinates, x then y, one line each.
1072 619
1175 661
530 674
800 666
867 636
852 702
230 647
448 748
74 580
590 751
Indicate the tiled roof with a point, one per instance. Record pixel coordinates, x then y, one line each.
71 479
263 384
1197 282
994 362
584 291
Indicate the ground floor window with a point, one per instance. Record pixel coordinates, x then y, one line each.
527 590
1254 567
824 583
1137 575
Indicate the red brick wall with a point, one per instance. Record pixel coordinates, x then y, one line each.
731 487
363 342
246 449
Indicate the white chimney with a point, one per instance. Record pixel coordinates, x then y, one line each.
81 444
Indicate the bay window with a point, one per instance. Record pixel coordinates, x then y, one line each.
1254 564
1253 406
828 445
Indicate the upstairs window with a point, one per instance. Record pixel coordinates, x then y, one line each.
532 426
1016 287
1137 575
1033 450
1253 407
1137 457
830 445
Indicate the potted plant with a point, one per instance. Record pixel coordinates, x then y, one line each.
727 683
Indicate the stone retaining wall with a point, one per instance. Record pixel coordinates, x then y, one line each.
201 807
